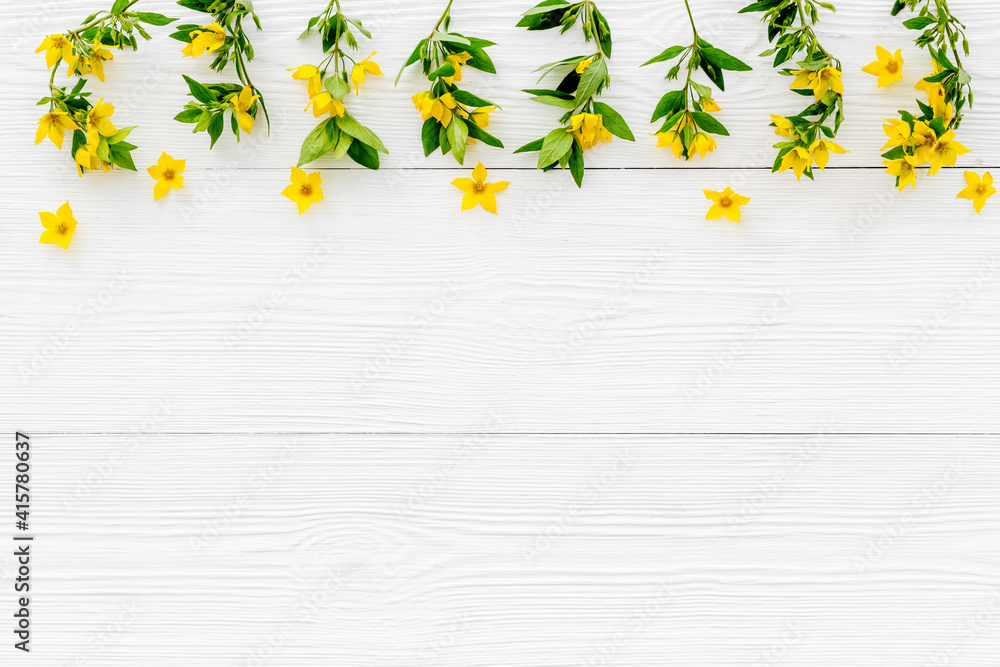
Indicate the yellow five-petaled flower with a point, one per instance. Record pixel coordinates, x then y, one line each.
55 47
359 70
54 125
456 60
888 67
210 38
241 104
309 73
304 190
59 226
478 191
819 82
167 174
726 203
978 189
588 129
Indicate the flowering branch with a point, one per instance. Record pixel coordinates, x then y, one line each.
96 142
688 123
809 133
452 117
226 38
587 121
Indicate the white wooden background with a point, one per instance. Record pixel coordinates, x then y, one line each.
594 429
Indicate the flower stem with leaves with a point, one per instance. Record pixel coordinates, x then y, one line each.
226 39
340 133
688 122
587 120
929 138
809 134
452 117
96 142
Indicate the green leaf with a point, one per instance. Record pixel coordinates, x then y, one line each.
344 141
200 92
317 143
591 80
668 54
153 18
723 60
576 164
531 146
556 144
429 136
352 127
613 121
668 105
478 133
414 57
445 70
545 91
337 87
468 98
458 136
122 157
122 134
363 154
452 38
480 60
554 101
709 124
119 6
918 22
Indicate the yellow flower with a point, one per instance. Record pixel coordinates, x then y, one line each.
588 129
819 82
898 132
583 65
86 158
210 38
167 174
478 191
922 140
978 190
366 65
76 63
59 226
672 140
439 108
888 67
945 152
311 74
54 125
242 104
798 160
904 170
708 104
948 115
457 60
326 103
784 127
304 190
481 116
703 144
820 151
99 122
55 47
726 203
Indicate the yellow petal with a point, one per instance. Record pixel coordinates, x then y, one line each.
464 184
479 173
160 190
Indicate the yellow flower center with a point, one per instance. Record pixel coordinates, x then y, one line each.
479 187
981 190
725 202
892 67
168 174
61 228
306 190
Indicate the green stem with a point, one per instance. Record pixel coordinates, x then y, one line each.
96 22
694 28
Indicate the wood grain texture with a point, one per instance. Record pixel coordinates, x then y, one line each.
501 550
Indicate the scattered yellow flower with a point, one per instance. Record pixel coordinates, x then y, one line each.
888 67
478 191
978 190
798 160
819 82
904 170
241 104
167 174
54 125
457 60
583 65
210 38
363 66
59 226
304 190
945 152
588 129
99 122
820 151
55 47
325 103
726 203
311 74
671 139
